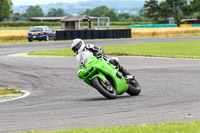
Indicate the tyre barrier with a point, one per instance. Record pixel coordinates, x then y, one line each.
93 34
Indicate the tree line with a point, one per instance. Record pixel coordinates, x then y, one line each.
104 11
101 11
36 11
153 11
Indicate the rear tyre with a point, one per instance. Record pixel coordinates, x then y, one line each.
107 90
30 40
134 88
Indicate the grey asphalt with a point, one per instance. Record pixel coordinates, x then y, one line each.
59 100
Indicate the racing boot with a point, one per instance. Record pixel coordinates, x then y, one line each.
126 74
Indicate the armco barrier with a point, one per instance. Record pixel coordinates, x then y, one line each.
93 34
164 25
154 26
185 25
195 25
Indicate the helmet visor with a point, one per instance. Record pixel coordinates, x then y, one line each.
77 47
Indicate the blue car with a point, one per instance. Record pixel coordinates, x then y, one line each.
41 33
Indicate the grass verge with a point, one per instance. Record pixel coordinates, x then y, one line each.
172 127
180 49
14 42
57 52
6 91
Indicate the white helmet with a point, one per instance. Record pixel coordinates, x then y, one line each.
77 45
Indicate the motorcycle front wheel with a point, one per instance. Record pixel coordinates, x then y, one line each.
106 89
134 88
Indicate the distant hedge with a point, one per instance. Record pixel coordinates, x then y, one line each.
27 24
127 23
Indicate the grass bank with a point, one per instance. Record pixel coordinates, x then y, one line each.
172 127
5 91
180 49
14 42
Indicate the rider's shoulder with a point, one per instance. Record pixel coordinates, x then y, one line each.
89 46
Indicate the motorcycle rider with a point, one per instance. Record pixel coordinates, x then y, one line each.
78 46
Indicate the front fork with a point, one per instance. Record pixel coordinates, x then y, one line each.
104 81
101 76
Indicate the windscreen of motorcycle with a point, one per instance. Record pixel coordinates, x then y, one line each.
82 58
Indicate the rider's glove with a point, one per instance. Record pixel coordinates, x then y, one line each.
99 55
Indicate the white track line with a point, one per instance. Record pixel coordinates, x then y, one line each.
26 93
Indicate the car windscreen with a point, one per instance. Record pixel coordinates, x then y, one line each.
35 29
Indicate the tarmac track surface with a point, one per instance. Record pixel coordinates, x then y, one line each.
59 100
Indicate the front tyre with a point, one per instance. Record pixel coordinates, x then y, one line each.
106 89
134 88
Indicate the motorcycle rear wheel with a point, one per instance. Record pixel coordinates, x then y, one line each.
107 91
134 88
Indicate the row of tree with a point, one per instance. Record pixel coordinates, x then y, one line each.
103 11
158 12
36 11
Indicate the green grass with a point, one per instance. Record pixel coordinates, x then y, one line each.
22 41
14 28
172 127
59 27
13 42
5 91
59 52
180 49
26 28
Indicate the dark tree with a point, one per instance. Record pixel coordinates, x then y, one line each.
110 13
193 9
165 10
87 12
195 5
56 12
123 16
152 10
177 6
34 11
5 9
99 11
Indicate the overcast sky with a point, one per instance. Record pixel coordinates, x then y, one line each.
40 2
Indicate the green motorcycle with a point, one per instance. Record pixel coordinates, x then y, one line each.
105 77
